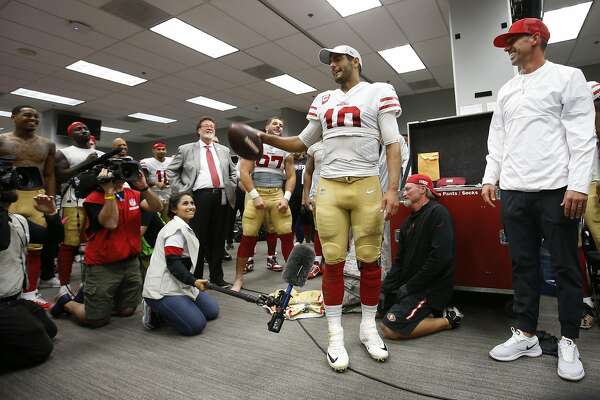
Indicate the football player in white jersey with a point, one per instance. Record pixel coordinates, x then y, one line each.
157 171
314 156
265 201
72 209
352 121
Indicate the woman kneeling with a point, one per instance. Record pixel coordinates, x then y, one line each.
171 292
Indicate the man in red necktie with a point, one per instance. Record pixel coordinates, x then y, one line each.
205 169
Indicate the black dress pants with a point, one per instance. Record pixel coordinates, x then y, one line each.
210 225
26 334
530 217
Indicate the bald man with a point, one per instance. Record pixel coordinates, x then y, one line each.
120 143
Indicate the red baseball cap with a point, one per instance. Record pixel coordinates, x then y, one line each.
74 125
525 26
421 179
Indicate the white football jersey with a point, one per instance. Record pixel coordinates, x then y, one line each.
75 156
157 171
272 160
350 128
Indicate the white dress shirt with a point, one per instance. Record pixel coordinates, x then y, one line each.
542 132
204 181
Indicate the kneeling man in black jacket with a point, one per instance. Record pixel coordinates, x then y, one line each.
418 288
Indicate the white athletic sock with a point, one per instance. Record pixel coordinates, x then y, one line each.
318 259
588 301
368 317
334 318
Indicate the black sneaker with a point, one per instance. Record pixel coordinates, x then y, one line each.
58 308
453 315
222 283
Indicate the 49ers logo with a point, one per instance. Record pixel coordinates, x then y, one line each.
325 99
340 119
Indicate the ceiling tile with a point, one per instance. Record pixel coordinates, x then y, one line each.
204 79
19 74
377 69
385 36
175 7
27 63
247 96
560 52
144 58
302 47
240 60
99 20
258 17
276 56
166 48
299 11
340 33
267 89
419 19
434 52
416 76
39 20
586 52
185 85
43 56
443 75
315 78
38 38
227 73
215 22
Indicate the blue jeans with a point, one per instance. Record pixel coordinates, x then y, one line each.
188 317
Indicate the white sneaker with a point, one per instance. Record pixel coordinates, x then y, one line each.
569 365
517 346
37 298
49 283
375 346
337 356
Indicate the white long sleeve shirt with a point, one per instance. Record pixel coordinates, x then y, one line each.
542 132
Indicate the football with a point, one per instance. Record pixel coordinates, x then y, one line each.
244 140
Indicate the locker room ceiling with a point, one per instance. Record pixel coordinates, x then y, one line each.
37 42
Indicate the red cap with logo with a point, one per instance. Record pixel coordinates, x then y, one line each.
421 179
525 26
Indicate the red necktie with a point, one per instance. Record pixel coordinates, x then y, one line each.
214 175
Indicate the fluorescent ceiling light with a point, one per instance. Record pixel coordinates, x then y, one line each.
105 73
192 37
574 17
402 58
113 130
154 118
210 103
47 97
290 84
7 114
349 7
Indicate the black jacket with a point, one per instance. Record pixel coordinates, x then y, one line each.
425 259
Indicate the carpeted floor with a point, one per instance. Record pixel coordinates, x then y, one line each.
237 358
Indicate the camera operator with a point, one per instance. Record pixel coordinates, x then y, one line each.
73 213
113 281
25 331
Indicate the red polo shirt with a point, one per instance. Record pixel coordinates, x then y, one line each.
107 246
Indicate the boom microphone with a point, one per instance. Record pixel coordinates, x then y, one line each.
295 273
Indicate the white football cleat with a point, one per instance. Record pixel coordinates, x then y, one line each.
375 346
337 356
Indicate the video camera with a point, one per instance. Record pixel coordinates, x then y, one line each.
18 178
87 180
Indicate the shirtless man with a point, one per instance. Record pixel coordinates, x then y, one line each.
37 153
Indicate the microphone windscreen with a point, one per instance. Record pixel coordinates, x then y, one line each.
298 265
